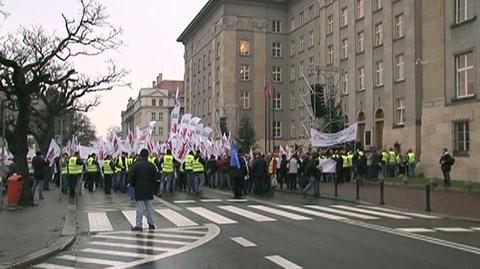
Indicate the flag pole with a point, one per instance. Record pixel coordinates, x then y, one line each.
273 113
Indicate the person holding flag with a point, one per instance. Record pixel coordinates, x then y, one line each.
236 171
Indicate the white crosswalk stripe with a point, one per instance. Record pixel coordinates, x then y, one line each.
115 253
312 212
416 230
342 212
453 229
243 242
98 222
184 202
418 215
247 214
371 212
129 246
211 200
475 228
140 239
279 212
168 235
54 266
90 260
131 217
176 218
210 215
282 262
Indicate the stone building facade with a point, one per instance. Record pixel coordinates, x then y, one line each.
384 59
152 104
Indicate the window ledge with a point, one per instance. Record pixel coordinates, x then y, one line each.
377 10
310 47
247 55
399 81
344 59
462 154
378 86
359 52
378 46
399 38
343 27
329 34
398 126
359 19
360 90
459 24
463 99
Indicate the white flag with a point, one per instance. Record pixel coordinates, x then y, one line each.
53 152
320 139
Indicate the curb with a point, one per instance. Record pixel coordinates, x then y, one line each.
67 238
361 202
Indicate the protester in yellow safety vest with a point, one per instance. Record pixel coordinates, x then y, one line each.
65 173
167 166
391 162
120 179
75 169
411 163
153 159
189 172
108 172
199 172
92 172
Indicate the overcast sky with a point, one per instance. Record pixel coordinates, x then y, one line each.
150 30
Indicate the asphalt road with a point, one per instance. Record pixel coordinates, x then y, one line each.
285 231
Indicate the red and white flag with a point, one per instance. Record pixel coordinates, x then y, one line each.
53 152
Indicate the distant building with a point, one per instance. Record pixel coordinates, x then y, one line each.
152 104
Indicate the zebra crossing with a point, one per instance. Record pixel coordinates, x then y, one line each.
231 214
125 249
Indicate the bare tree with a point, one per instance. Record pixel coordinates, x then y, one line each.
3 12
33 62
113 130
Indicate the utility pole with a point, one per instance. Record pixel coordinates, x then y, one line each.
4 174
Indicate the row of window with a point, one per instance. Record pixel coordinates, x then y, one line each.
158 131
154 116
205 60
160 102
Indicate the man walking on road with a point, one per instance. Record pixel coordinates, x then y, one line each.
446 162
142 177
40 165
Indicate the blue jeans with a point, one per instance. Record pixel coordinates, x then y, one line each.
411 170
119 181
141 207
166 184
38 184
312 185
199 181
190 182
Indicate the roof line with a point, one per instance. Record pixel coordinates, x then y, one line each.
208 6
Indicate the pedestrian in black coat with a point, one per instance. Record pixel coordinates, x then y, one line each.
259 173
142 177
446 162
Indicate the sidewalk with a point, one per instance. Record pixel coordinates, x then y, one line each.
30 233
456 204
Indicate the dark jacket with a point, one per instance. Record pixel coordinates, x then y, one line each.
212 166
311 169
259 167
39 166
446 162
142 177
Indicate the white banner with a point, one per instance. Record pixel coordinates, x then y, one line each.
328 166
319 139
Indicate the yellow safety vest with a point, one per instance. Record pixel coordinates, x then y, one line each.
411 157
197 166
392 157
73 167
189 163
107 169
167 166
350 160
91 167
345 161
153 160
384 156
64 167
129 163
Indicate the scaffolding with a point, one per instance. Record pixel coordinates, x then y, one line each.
330 77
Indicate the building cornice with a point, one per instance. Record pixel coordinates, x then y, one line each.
212 4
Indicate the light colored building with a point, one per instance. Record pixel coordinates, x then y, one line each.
152 104
403 69
451 107
231 47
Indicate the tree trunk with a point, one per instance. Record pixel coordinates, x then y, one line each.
20 147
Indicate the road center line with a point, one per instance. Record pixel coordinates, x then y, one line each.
282 262
243 242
